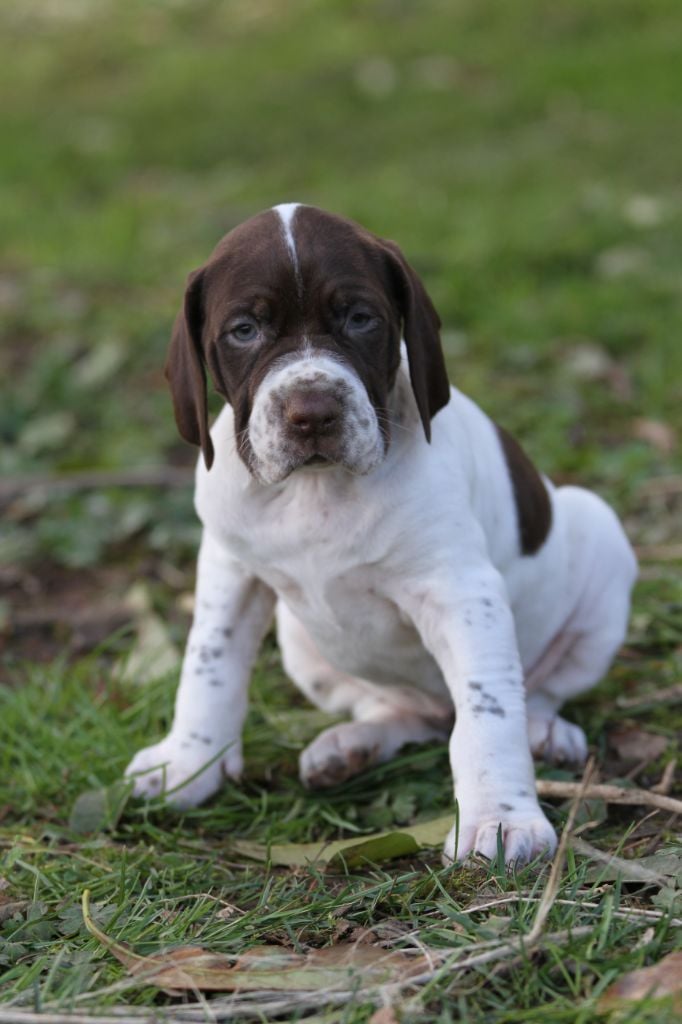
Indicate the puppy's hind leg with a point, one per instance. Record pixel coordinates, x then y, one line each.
384 721
582 654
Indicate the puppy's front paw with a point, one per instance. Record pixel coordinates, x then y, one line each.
186 771
524 836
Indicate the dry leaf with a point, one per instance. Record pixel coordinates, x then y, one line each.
588 361
659 435
385 1015
99 809
191 968
153 653
8 908
377 847
662 868
663 979
631 743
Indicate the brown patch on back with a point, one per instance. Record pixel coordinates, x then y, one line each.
533 507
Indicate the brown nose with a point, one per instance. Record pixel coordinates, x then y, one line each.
312 413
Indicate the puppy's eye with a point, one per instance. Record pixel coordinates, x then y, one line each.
246 330
360 320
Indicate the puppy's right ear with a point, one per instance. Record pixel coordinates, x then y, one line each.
186 371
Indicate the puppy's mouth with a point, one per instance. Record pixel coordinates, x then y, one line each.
318 459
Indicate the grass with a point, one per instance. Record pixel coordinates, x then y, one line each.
527 158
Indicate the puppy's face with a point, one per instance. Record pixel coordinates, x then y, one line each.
297 317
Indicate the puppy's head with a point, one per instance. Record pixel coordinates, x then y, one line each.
297 317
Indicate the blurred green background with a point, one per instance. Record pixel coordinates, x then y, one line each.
527 157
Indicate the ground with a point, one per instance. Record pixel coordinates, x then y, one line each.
527 158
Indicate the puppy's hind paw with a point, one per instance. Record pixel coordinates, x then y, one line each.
338 753
556 740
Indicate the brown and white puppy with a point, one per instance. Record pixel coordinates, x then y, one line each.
415 560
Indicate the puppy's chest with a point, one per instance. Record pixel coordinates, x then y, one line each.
329 581
329 561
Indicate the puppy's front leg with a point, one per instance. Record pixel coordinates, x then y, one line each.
232 612
467 624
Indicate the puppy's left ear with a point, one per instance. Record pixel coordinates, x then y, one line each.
186 372
428 373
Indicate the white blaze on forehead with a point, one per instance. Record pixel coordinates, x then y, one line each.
286 213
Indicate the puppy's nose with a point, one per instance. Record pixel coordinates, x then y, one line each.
312 413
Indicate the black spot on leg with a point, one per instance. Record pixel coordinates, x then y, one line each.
489 709
523 792
475 686
215 682
487 602
227 632
506 807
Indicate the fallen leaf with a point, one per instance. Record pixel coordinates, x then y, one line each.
664 868
589 361
385 1015
668 898
631 743
273 968
659 435
643 211
352 852
153 653
11 907
656 982
622 261
586 360
47 433
99 809
377 849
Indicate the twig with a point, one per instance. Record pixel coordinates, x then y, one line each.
610 794
667 779
659 552
88 480
632 914
500 952
661 485
17 1016
668 695
552 887
634 870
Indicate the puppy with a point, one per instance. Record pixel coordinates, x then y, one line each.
417 564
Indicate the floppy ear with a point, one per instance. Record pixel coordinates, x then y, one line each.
186 373
421 323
